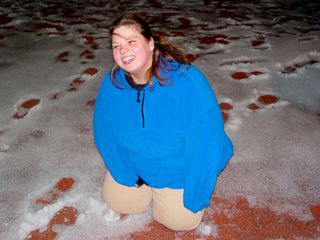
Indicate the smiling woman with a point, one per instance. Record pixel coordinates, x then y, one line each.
132 52
158 128
133 31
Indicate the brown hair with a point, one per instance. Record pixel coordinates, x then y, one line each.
163 51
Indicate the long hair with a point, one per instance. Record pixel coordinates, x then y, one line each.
164 50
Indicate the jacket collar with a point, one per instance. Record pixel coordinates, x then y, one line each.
127 83
170 67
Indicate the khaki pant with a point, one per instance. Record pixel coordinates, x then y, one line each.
167 204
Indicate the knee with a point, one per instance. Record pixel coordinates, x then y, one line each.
124 205
111 200
124 199
180 222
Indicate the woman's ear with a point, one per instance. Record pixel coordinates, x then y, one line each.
151 44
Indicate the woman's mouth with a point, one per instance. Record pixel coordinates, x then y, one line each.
127 60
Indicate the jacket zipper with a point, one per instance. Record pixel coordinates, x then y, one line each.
142 104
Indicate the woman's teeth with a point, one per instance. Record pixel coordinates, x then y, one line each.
127 60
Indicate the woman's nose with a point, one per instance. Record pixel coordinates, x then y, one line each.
123 49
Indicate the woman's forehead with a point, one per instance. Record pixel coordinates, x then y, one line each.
129 29
126 32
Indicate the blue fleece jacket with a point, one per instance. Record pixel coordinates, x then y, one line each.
172 136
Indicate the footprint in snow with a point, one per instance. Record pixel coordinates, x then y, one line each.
24 108
225 110
262 101
67 215
58 190
64 56
75 84
296 65
244 75
244 68
230 63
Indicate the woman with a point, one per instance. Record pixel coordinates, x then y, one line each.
159 129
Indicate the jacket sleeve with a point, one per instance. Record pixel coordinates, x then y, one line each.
114 157
208 150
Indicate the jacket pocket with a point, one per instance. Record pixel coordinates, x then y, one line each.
149 142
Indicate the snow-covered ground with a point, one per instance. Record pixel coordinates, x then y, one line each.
263 61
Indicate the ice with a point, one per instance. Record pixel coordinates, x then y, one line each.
42 217
208 229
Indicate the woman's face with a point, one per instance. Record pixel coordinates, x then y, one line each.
131 51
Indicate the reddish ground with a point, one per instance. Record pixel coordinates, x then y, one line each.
262 101
24 108
232 218
253 106
225 109
63 185
64 56
244 75
292 68
257 41
235 219
66 216
90 71
268 99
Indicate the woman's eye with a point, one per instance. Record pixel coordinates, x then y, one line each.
131 41
115 46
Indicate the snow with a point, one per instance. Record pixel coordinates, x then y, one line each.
40 218
208 229
276 160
